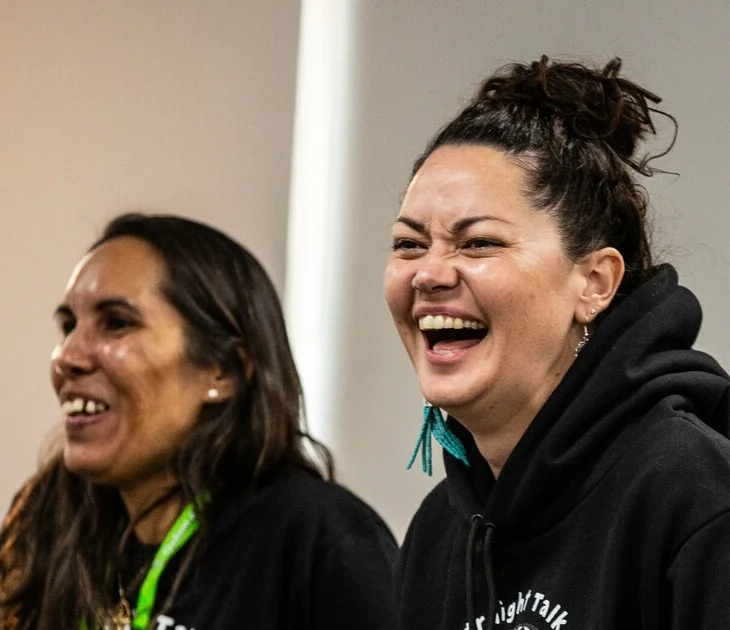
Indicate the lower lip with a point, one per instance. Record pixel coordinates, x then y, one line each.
77 423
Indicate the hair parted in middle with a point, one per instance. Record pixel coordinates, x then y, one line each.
576 132
65 538
233 318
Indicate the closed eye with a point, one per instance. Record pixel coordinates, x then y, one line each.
481 243
115 323
404 244
117 315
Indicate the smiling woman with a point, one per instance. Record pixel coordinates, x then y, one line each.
586 450
506 275
184 493
128 390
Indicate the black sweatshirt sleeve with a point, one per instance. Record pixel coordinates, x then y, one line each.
353 582
699 577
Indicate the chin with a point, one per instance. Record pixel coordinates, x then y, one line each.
84 464
445 397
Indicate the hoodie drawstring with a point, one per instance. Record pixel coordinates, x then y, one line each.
489 575
469 578
477 520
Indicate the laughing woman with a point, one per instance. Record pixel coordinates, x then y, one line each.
183 494
586 450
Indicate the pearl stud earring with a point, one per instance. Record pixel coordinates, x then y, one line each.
213 393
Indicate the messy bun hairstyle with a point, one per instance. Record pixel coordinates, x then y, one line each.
575 131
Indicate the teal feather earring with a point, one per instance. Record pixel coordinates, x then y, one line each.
435 425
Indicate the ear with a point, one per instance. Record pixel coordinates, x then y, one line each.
221 387
603 271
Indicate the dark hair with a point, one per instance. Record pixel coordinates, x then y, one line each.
575 132
58 537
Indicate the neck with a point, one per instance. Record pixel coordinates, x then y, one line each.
152 523
497 426
496 446
497 429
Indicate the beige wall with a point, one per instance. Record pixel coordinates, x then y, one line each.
170 105
187 106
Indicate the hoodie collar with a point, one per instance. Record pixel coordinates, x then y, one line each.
639 354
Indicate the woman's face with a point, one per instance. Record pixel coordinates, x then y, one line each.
127 388
480 289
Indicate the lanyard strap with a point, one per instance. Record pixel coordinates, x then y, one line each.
182 530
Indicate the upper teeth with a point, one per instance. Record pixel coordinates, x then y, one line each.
80 405
437 322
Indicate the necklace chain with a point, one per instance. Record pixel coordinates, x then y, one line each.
123 615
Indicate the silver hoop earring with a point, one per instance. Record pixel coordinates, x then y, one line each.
583 341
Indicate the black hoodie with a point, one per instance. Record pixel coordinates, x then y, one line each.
613 510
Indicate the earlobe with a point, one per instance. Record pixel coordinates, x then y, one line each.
221 389
604 270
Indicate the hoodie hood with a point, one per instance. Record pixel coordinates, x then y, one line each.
639 356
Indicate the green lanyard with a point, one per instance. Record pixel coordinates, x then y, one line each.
182 530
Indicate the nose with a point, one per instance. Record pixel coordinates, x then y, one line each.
435 273
73 356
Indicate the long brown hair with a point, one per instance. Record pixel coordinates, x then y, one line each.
63 539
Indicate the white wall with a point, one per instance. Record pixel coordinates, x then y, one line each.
168 105
187 106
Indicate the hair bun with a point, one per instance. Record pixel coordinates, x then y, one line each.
592 104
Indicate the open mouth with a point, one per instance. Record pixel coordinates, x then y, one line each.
448 334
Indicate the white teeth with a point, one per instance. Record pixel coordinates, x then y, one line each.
439 322
79 405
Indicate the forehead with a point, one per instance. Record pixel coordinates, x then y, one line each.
123 266
465 179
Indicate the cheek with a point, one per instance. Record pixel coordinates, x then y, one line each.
398 290
113 353
490 282
129 370
474 270
56 380
541 324
408 338
114 360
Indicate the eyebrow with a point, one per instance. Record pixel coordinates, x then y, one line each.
413 224
63 310
458 227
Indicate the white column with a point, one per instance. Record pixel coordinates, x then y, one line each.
317 211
